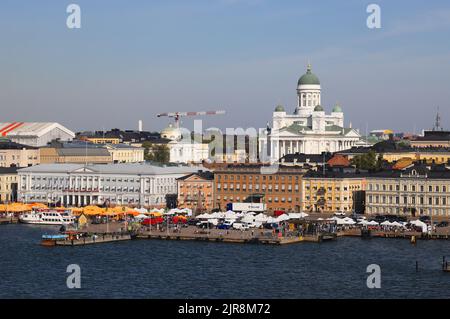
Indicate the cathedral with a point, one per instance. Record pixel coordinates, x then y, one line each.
309 129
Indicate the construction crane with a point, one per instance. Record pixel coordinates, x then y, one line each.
178 115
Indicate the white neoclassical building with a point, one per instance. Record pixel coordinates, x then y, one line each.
138 184
309 129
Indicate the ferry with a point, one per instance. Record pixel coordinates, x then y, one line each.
48 217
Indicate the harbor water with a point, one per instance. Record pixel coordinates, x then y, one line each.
189 269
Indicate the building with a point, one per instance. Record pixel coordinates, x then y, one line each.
8 184
35 134
432 139
246 183
74 152
417 190
309 130
331 191
18 155
393 151
124 153
382 134
306 161
196 191
182 147
116 136
136 184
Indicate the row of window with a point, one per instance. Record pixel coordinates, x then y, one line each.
421 200
257 178
408 188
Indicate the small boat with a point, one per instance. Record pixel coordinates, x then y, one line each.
48 217
50 240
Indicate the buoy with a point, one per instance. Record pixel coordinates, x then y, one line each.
413 239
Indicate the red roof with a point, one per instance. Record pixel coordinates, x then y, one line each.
338 160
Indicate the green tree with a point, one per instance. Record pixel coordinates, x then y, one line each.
156 152
368 161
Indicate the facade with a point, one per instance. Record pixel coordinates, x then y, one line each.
196 191
18 155
434 139
35 134
136 184
75 154
415 191
123 153
393 152
333 191
309 130
245 183
8 184
181 152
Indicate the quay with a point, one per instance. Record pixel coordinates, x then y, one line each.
91 240
233 236
357 232
8 220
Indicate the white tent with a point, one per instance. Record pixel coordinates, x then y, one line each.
372 223
397 224
386 223
345 221
282 218
421 224
203 216
297 215
141 210
141 216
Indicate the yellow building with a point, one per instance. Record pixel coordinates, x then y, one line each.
123 153
77 155
8 184
101 140
332 192
19 155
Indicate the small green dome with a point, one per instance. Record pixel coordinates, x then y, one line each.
337 109
318 108
279 108
309 78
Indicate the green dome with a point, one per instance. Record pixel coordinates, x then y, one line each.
309 78
337 109
279 108
318 108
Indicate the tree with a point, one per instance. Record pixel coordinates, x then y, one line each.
156 152
368 161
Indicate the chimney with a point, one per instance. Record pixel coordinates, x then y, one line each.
140 126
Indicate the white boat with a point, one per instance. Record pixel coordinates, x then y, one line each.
47 217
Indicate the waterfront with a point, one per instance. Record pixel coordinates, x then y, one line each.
184 269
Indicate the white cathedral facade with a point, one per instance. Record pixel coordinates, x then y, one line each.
309 129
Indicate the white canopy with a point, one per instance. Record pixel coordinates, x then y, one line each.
282 218
386 223
141 216
397 224
345 221
372 223
297 215
421 224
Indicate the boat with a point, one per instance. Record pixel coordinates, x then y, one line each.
48 217
50 240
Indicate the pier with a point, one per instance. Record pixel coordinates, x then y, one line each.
233 236
91 240
8 220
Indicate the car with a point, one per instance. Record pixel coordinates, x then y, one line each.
223 226
442 224
241 226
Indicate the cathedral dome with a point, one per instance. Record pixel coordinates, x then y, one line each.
318 108
171 133
309 78
279 108
337 109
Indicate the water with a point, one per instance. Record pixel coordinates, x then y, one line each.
183 269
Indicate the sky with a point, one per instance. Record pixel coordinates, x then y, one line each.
133 59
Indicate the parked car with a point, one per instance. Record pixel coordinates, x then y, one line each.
442 224
241 226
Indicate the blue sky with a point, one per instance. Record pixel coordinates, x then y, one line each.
134 59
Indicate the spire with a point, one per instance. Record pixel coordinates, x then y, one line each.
437 125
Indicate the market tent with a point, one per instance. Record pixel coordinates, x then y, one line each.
17 208
37 205
283 218
421 224
345 221
386 223
141 216
372 223
397 224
